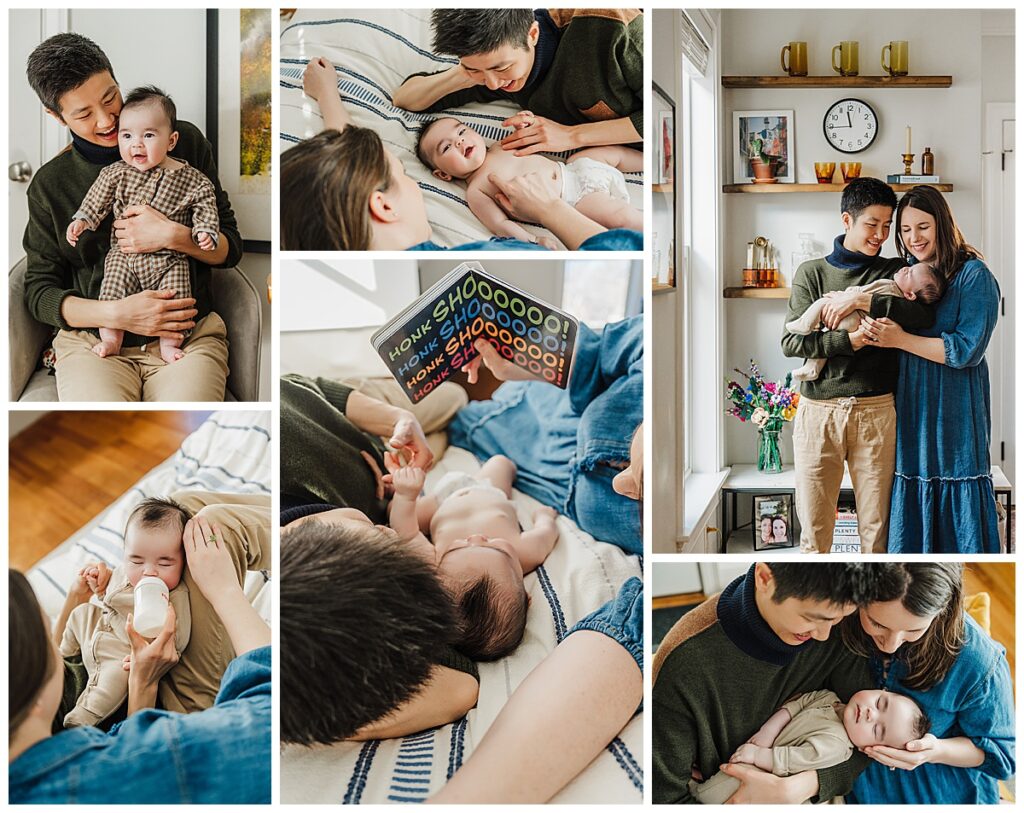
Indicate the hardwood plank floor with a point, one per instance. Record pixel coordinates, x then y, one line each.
68 466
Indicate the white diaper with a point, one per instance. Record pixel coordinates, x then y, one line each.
458 482
585 175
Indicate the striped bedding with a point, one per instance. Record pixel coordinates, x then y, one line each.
579 576
229 452
373 51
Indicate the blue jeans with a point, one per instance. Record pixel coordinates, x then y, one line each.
621 619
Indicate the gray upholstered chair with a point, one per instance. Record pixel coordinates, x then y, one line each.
235 298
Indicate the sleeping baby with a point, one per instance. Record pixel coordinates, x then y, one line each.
152 547
921 281
591 180
477 546
815 730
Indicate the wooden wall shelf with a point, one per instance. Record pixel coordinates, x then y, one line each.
662 187
756 293
776 188
837 81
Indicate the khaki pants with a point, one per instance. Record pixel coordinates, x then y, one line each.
244 522
138 373
862 432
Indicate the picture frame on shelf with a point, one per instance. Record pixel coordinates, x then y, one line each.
665 214
666 144
769 133
772 521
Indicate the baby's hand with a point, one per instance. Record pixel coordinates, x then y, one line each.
549 243
205 241
75 230
407 480
319 78
746 753
98 577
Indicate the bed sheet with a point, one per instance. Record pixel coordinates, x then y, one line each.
579 576
373 51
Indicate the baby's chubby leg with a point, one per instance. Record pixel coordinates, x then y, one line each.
170 349
109 343
501 471
610 212
622 158
809 320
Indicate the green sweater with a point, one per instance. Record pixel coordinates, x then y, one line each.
57 269
596 70
710 695
848 373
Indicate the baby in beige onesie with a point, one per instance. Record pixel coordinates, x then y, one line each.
916 282
152 547
815 730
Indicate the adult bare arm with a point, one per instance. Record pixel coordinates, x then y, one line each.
761 787
540 134
400 425
420 92
147 313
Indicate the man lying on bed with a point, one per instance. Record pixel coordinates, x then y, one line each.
577 73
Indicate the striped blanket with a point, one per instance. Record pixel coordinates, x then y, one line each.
229 452
579 576
373 51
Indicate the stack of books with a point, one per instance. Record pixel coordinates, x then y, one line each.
845 538
912 179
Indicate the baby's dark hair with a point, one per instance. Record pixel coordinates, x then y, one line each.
922 724
861 193
148 94
421 134
159 512
492 619
935 288
62 63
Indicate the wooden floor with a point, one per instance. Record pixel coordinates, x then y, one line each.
998 580
68 466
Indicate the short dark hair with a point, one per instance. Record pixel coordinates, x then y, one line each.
62 63
159 512
861 193
492 619
363 620
150 94
935 288
468 31
421 134
838 584
922 724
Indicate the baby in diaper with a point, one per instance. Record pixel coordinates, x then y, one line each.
152 547
816 730
921 281
591 180
477 546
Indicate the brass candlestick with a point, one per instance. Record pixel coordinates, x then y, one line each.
908 163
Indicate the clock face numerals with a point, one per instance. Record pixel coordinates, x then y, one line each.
850 125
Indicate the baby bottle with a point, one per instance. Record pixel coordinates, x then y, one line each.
150 606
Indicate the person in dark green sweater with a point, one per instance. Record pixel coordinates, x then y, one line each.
577 73
847 414
75 82
728 665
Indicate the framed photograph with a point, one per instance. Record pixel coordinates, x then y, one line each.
666 144
769 134
238 114
773 522
665 213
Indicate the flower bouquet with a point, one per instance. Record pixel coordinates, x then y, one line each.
767 405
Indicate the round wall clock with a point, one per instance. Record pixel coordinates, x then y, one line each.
850 125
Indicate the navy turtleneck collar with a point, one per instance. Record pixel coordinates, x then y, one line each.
94 153
842 257
544 50
743 625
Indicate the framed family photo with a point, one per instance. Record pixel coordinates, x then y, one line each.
768 134
773 522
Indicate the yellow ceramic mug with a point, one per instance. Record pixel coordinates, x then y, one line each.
797 58
899 58
847 65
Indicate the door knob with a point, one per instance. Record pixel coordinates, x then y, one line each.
20 171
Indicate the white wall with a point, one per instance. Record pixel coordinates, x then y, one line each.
947 120
997 57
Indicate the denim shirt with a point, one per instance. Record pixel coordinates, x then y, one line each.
572 435
974 700
220 755
611 240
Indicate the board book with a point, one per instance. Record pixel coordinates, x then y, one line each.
432 339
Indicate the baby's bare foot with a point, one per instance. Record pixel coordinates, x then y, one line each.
171 354
106 348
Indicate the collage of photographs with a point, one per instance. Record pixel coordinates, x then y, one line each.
364 365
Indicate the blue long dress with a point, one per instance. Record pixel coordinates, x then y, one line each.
943 499
973 700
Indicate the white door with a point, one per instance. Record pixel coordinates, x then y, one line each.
998 246
34 136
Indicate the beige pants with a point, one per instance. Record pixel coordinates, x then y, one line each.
862 432
138 373
244 522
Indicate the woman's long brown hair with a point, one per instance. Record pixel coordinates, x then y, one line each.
326 183
927 590
951 249
30 658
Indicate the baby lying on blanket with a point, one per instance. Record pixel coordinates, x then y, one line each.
480 552
591 180
152 547
815 730
921 281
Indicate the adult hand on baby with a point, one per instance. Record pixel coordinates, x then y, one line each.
882 332
859 338
143 230
840 304
97 577
208 559
75 230
757 786
746 753
500 368
319 78
525 197
408 440
917 753
81 590
155 313
407 480
537 134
